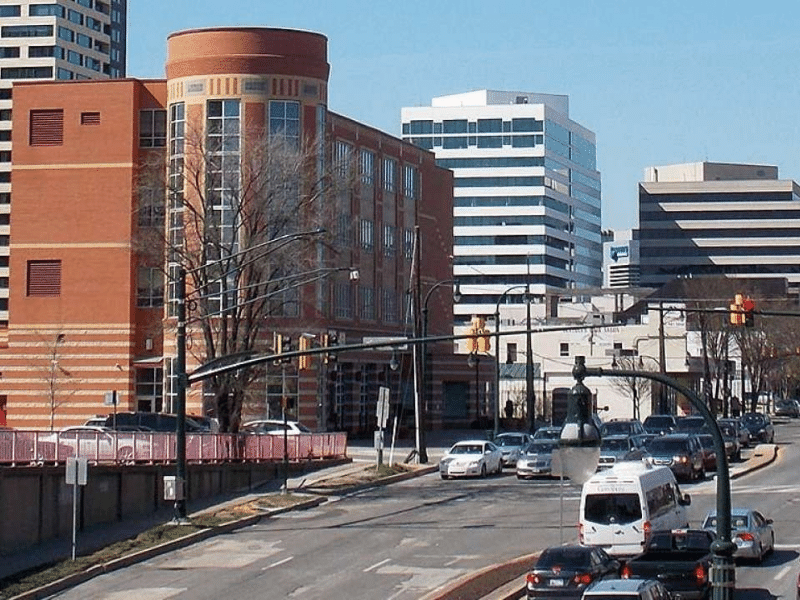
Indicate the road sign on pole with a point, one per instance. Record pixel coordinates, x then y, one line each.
77 474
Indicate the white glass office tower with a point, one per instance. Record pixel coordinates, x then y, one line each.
59 39
527 194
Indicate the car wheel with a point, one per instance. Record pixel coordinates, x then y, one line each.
771 548
738 457
483 470
443 476
760 555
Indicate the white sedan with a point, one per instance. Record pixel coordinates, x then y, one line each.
471 457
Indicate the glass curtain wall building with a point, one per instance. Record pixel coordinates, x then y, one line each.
527 194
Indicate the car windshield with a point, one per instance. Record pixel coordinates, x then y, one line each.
509 440
569 557
617 428
753 419
707 441
612 508
547 434
611 445
727 430
662 446
658 421
467 449
691 424
738 522
544 447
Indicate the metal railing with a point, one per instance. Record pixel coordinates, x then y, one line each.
26 447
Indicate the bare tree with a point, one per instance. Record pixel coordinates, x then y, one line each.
55 375
637 388
245 217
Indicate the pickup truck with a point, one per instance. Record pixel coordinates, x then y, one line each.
680 559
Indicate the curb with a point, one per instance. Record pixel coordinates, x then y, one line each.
136 557
496 577
771 449
352 489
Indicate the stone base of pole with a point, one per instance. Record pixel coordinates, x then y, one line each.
723 570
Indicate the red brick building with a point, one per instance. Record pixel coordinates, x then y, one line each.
89 312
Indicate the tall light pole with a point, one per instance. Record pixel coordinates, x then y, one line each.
423 452
182 378
497 355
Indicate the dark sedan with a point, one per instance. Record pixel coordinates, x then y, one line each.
760 427
565 571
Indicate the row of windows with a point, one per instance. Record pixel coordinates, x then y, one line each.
652 273
510 259
345 299
751 217
344 159
422 127
496 201
487 141
746 197
490 163
736 233
706 252
26 73
510 240
509 221
366 237
519 181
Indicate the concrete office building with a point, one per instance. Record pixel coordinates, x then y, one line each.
527 194
91 312
62 40
621 259
704 218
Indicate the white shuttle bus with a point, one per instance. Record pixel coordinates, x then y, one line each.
622 505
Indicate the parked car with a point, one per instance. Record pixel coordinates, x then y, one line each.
151 421
730 435
760 427
709 451
681 452
98 444
511 445
566 571
692 424
786 408
548 432
274 427
616 448
750 530
659 424
536 459
633 589
471 457
622 427
741 430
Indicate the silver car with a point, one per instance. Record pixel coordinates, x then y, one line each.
471 458
750 530
511 445
536 459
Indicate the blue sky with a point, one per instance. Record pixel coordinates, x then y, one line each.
658 82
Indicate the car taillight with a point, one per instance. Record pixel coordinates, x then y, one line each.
746 537
647 527
700 574
625 572
583 578
533 579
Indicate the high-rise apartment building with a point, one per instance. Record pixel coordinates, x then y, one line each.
526 198
707 218
60 39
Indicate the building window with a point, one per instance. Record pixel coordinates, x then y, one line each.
15 31
511 353
284 120
90 118
47 127
343 301
408 243
367 303
5 114
66 34
389 175
9 52
367 168
44 278
26 73
388 240
409 182
74 58
5 177
10 11
389 306
152 128
5 135
150 288
367 237
83 40
5 157
65 74
41 51
342 158
149 389
564 349
46 10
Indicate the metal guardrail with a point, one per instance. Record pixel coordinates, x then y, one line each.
26 447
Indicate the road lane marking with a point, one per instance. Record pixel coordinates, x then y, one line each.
277 564
376 565
782 573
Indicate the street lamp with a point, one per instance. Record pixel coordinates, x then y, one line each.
421 446
497 355
182 378
579 442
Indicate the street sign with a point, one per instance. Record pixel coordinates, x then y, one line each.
383 406
77 469
110 398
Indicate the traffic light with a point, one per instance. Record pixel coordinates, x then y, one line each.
280 345
749 307
480 340
737 310
484 341
328 340
304 361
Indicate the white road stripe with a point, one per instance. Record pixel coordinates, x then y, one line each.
376 565
782 573
277 564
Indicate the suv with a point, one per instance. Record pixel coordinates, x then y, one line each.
659 424
635 589
274 427
681 452
759 426
622 427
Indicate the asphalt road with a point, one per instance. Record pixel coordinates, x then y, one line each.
404 540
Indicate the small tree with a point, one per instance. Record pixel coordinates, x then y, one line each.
54 375
637 388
